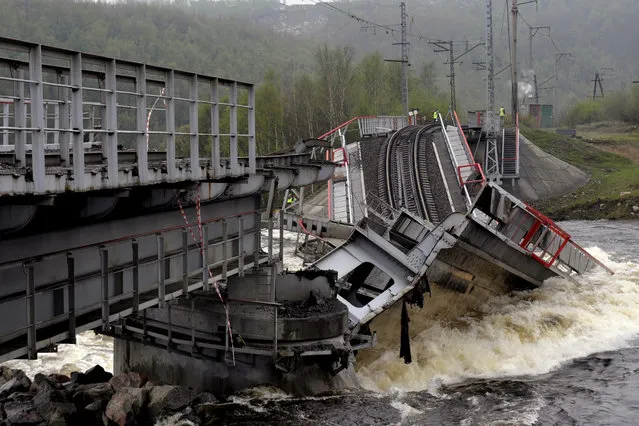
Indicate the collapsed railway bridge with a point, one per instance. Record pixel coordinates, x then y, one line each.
146 226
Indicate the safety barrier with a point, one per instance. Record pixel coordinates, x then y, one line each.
545 241
118 95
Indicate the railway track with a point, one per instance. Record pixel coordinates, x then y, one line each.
403 179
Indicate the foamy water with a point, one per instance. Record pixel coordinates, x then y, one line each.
91 349
526 333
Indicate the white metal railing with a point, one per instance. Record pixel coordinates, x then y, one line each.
121 94
451 153
369 126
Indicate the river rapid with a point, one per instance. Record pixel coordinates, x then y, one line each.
564 353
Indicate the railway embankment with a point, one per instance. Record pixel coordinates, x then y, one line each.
612 188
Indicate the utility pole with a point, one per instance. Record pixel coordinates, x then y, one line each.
513 60
491 164
404 59
453 101
597 81
402 7
443 46
536 89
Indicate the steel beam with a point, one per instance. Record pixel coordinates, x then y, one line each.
233 130
141 117
205 258
240 245
196 172
37 119
215 129
104 256
110 141
64 123
32 352
161 271
170 126
20 119
251 129
185 262
71 295
77 122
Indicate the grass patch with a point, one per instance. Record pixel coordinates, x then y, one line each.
610 133
612 190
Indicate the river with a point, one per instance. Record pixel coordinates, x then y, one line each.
564 353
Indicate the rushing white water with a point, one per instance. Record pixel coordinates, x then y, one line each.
91 349
525 333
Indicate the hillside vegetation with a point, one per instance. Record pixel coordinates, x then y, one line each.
613 188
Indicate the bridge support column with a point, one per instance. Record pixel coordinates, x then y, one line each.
276 336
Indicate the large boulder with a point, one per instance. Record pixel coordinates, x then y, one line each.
52 404
16 381
167 399
21 413
127 407
92 375
99 394
127 380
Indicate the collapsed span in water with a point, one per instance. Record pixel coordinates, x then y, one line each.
427 221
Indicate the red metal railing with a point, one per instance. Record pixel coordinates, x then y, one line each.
477 167
330 132
463 138
541 249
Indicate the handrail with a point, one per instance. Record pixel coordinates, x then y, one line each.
462 136
550 224
517 144
469 202
346 123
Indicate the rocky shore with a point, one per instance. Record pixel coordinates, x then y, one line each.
96 397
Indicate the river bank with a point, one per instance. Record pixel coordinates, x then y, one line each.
613 189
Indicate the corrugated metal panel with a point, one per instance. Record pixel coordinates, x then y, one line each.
546 116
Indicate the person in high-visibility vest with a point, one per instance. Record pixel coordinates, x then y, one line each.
436 115
502 112
290 200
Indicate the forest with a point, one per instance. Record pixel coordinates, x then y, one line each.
315 67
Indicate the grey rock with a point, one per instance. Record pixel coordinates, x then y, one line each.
19 382
88 394
127 380
165 399
635 209
204 398
52 405
21 413
126 406
94 374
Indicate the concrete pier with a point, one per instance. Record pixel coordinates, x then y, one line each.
296 341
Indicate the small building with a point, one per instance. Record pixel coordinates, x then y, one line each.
542 115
